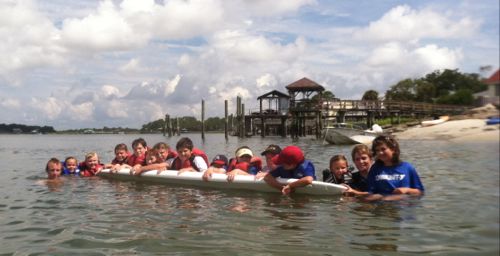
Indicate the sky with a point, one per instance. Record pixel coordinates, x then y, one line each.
90 64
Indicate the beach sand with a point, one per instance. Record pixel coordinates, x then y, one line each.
467 130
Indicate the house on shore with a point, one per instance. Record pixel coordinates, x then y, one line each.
492 94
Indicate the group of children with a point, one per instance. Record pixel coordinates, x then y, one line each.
385 178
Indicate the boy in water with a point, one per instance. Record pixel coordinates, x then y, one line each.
186 161
291 164
53 169
218 165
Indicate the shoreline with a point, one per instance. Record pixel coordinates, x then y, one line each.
466 130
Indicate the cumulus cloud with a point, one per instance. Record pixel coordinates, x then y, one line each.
50 107
402 23
147 57
10 103
28 39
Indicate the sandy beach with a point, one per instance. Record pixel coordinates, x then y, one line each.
469 127
467 130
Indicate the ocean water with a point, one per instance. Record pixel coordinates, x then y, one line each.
459 215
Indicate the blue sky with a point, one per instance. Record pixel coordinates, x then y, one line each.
78 64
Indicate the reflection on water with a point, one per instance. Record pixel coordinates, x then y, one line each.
458 215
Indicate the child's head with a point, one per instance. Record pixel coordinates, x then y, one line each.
140 146
243 154
290 157
71 163
386 149
121 152
362 157
271 151
162 150
151 156
339 166
91 160
53 168
184 148
219 161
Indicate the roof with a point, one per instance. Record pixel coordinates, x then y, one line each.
305 84
274 94
493 79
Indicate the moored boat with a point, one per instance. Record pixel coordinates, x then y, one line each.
346 134
440 120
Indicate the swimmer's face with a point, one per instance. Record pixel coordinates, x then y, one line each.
53 170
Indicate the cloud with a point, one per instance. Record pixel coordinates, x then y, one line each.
10 103
29 39
402 23
104 30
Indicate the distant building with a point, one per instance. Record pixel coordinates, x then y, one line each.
492 94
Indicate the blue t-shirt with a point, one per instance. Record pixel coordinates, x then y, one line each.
302 170
384 179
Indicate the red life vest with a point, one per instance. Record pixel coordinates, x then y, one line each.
85 171
134 160
124 161
233 164
177 165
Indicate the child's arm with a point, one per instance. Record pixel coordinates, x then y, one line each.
208 173
409 191
233 173
299 183
353 192
159 167
271 181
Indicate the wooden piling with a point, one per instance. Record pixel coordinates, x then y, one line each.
226 135
203 119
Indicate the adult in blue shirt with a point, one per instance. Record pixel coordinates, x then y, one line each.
291 164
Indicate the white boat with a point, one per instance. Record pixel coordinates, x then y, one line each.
345 134
219 181
440 120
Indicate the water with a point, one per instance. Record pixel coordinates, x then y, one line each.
92 216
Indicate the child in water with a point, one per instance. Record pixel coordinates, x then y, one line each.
187 161
339 167
389 177
138 159
121 158
70 166
53 169
218 165
291 164
91 166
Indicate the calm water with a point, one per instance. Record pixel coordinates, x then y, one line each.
459 214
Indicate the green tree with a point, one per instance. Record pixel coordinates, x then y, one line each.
402 91
460 97
370 95
425 91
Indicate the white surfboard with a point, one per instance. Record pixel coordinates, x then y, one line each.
219 181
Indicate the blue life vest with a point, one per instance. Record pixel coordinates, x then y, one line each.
66 171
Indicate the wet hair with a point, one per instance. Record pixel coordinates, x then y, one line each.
53 160
70 158
161 145
152 153
361 149
337 158
184 143
391 143
138 141
121 146
89 155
